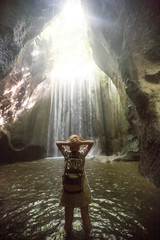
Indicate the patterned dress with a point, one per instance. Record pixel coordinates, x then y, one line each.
83 198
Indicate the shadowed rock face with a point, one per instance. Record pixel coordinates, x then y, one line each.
20 21
10 155
125 38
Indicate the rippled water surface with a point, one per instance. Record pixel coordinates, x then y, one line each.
124 204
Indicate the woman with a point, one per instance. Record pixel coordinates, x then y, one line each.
74 148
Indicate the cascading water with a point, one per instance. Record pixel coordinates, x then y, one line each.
74 107
74 92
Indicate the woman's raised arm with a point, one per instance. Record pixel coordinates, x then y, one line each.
89 144
60 145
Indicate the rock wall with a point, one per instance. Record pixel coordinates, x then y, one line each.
125 38
12 155
21 21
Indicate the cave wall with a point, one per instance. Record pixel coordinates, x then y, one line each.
125 38
21 21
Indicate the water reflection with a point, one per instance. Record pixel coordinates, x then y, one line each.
124 206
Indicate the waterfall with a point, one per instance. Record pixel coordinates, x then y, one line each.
73 76
68 94
74 107
82 99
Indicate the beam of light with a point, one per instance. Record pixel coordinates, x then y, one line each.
73 14
73 74
69 46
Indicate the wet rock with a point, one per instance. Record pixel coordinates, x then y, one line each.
125 42
20 22
152 51
6 152
9 155
155 78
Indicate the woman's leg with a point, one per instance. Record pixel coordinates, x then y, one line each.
86 220
68 219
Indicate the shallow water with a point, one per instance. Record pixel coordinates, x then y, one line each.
124 204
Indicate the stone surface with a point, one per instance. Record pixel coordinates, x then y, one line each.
20 21
10 155
125 40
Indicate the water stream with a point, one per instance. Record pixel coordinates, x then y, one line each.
124 204
75 108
